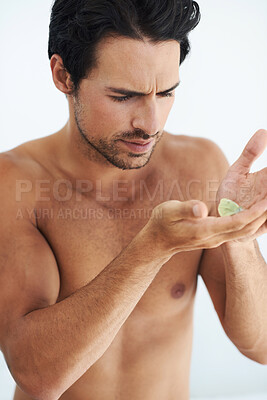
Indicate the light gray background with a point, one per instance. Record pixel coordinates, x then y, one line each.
223 96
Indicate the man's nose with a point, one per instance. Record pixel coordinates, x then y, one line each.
147 118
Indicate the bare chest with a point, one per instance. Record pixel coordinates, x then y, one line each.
87 235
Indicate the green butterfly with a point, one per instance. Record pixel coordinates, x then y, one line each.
228 207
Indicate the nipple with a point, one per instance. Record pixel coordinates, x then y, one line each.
178 290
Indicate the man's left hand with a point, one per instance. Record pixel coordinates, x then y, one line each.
243 187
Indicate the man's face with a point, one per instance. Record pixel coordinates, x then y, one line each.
108 120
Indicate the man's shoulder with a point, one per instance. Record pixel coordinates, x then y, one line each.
25 159
197 143
18 171
10 166
197 150
15 163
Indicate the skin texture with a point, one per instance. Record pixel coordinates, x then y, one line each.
101 306
97 119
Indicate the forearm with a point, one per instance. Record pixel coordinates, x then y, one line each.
56 345
245 319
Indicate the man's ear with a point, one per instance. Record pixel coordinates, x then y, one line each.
61 76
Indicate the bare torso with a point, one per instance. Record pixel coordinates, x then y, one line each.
150 356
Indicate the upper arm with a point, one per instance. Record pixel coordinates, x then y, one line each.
211 266
211 270
28 268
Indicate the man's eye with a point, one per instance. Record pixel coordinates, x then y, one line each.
170 94
125 98
121 99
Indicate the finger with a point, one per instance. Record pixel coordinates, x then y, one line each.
261 177
254 148
175 210
249 231
217 240
214 226
263 172
261 231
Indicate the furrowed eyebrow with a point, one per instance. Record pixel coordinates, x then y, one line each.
126 92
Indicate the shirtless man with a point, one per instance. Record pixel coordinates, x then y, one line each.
107 223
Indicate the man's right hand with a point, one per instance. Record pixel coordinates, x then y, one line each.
173 226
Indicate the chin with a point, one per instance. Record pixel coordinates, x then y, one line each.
136 165
130 163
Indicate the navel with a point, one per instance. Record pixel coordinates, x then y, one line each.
178 290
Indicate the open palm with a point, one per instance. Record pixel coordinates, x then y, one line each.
240 185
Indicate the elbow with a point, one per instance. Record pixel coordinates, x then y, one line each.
38 394
39 383
260 358
36 388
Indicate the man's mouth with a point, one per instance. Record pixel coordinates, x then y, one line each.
138 145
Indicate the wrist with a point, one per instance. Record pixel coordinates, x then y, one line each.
148 242
237 246
237 253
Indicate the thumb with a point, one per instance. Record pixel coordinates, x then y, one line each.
253 150
200 210
175 210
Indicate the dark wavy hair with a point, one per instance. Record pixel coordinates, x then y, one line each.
77 26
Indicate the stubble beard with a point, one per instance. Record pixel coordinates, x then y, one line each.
108 152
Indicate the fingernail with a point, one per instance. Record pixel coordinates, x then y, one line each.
197 211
